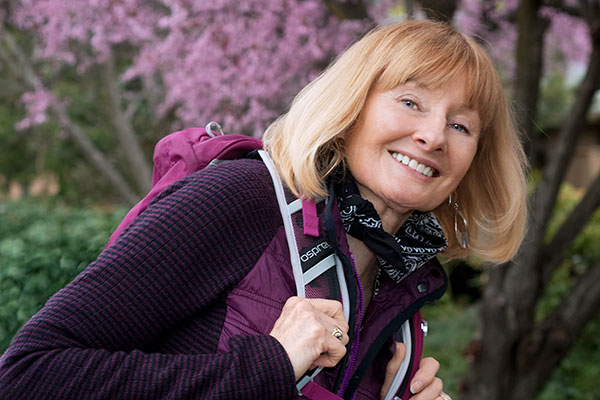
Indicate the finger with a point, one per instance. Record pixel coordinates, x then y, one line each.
306 333
425 375
339 334
392 367
335 351
431 392
333 309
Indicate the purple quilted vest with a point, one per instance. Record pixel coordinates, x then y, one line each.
256 302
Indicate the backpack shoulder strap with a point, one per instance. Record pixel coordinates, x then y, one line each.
317 270
310 255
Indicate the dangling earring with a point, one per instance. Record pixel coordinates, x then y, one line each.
461 237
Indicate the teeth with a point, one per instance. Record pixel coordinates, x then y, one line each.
414 164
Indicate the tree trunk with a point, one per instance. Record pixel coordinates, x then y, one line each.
529 61
544 348
20 63
517 355
348 10
140 169
439 10
95 156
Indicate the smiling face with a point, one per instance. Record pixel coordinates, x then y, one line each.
411 147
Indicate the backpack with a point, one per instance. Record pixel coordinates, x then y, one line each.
317 270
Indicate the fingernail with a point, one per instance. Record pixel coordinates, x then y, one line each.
416 387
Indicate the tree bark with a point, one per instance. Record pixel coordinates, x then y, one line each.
32 80
529 61
546 346
555 251
545 194
140 169
439 10
92 153
348 10
524 282
517 355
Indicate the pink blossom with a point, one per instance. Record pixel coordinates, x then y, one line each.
36 103
240 63
236 62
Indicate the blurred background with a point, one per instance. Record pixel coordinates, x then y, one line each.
88 87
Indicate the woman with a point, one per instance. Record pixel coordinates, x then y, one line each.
196 299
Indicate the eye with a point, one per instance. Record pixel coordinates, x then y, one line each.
409 103
459 127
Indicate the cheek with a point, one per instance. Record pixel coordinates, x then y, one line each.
464 157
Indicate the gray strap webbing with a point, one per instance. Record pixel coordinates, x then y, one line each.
407 340
287 223
302 279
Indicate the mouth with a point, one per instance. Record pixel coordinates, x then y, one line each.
415 165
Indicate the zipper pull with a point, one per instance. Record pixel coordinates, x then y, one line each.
424 327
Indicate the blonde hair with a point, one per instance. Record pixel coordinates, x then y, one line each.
307 143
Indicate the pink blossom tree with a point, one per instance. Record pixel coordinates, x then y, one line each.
240 63
236 63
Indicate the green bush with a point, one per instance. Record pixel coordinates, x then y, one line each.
43 246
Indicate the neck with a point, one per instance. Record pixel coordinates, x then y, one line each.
391 218
366 266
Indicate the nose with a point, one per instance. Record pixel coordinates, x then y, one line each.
432 135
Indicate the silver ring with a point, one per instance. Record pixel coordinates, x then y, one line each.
445 396
337 333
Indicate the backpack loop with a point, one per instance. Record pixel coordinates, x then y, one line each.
213 125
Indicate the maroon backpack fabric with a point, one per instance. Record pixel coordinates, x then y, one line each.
181 153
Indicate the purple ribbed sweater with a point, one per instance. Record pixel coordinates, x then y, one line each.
143 320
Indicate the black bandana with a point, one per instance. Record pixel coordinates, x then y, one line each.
417 241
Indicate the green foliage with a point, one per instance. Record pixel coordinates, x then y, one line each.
451 329
453 325
43 246
578 374
556 98
583 252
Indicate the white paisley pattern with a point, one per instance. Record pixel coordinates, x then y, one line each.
417 241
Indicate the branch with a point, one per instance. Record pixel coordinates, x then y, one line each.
570 228
559 5
347 10
94 155
522 280
32 80
439 10
553 338
140 169
19 62
545 194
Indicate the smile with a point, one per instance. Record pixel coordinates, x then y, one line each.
414 164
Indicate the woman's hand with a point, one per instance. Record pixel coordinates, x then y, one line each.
306 328
424 385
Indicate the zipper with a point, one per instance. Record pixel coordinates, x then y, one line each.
356 343
387 332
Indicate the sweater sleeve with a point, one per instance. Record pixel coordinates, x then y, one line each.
93 339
